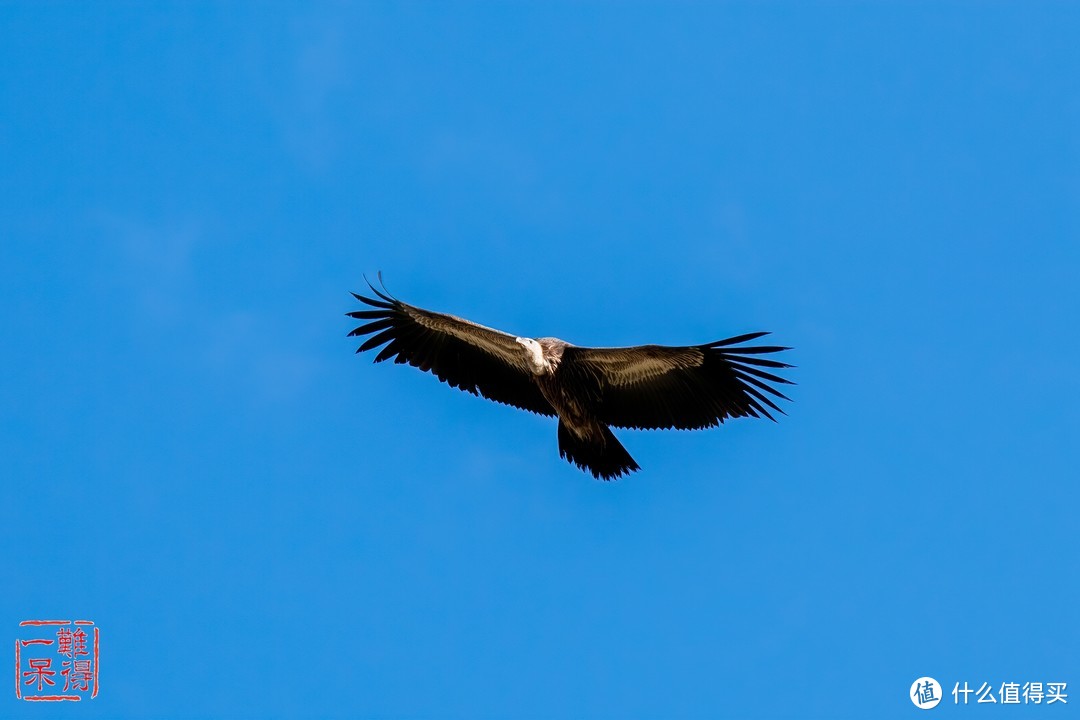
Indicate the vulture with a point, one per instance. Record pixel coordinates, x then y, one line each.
590 390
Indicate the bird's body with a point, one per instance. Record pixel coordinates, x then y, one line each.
588 389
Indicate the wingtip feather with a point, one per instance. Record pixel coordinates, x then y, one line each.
384 293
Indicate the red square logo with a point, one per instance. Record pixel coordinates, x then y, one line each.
57 660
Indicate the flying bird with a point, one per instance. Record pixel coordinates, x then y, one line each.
590 390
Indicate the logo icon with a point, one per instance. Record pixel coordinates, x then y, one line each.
51 652
925 693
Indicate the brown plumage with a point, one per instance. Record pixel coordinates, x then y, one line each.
589 389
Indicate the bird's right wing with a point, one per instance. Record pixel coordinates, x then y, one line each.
654 386
461 353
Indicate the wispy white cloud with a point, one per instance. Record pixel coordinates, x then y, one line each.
153 261
158 271
248 347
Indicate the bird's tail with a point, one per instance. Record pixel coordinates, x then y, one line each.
602 455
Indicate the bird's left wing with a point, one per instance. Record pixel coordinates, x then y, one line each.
463 354
655 386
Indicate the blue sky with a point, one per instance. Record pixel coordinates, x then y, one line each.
264 525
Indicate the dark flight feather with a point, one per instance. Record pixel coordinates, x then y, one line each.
676 393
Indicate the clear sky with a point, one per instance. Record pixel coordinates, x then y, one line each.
262 524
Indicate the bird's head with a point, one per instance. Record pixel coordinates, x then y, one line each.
534 355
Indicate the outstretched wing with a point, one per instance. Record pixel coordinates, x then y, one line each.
462 354
652 386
